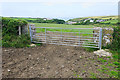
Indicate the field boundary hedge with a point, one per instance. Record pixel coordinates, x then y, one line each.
10 33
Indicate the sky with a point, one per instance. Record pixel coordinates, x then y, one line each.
63 9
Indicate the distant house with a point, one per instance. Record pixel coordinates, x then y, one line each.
45 19
100 20
71 22
91 20
87 19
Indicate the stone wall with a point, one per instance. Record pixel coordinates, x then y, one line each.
106 35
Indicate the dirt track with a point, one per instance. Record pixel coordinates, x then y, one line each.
49 61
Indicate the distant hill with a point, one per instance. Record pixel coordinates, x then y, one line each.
95 17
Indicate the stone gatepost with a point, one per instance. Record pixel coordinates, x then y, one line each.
33 28
106 35
33 32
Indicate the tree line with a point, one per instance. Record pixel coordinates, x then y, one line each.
40 20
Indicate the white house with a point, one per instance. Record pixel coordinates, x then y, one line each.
45 19
70 22
91 20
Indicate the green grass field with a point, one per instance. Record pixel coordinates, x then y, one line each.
65 26
111 21
61 25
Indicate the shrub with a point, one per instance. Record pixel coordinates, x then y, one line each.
116 40
10 26
16 41
10 37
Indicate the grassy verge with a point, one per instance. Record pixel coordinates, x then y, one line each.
108 65
90 49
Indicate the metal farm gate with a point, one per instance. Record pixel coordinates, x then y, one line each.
83 37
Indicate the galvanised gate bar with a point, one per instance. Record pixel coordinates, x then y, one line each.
83 37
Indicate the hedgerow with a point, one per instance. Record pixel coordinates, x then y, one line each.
115 45
10 37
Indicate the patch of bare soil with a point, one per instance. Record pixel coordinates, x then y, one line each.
49 61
